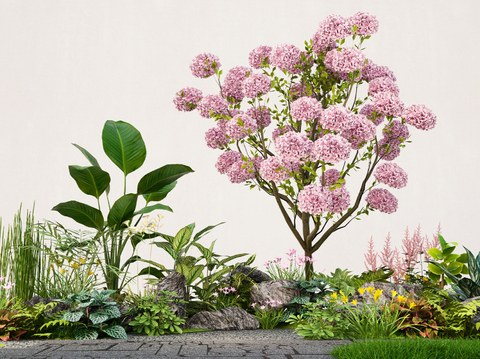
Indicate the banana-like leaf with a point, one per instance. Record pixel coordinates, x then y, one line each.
205 231
161 194
156 180
181 238
148 261
206 252
124 145
217 275
81 213
149 209
228 259
93 161
473 267
167 247
157 273
91 180
122 210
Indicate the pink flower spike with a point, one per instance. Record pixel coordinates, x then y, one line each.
284 266
215 294
253 305
262 307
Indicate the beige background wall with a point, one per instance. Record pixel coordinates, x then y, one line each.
68 66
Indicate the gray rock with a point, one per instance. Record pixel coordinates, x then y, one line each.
256 275
274 290
232 318
476 317
386 296
58 308
174 282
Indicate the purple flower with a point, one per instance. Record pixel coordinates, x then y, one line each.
299 90
382 84
204 65
277 169
329 177
215 103
345 61
237 174
360 131
391 174
367 24
393 147
336 118
382 200
388 104
286 57
241 126
334 27
367 110
233 85
259 56
216 138
256 85
187 99
306 109
261 115
281 131
293 146
419 117
331 149
226 160
373 71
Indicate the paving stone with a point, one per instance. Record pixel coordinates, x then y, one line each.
191 350
169 349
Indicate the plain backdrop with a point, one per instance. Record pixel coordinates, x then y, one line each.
68 66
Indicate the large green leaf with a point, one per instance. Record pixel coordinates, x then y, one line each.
167 247
93 161
455 268
439 270
124 145
161 194
84 333
122 210
91 180
157 273
149 209
181 238
473 267
435 253
205 231
81 213
469 287
116 331
156 180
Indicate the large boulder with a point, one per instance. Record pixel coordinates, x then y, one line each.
256 275
58 307
231 318
274 290
476 317
174 282
386 288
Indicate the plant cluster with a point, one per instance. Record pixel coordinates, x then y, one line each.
294 270
269 313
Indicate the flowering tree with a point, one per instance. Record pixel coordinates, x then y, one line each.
323 127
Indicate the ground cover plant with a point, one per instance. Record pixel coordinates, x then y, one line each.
324 129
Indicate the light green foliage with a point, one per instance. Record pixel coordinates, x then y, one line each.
156 318
124 145
268 314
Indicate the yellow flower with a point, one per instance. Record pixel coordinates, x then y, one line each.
334 295
401 298
82 260
418 276
425 279
344 299
74 265
370 290
63 271
354 302
98 262
412 304
377 294
361 290
89 273
407 276
394 294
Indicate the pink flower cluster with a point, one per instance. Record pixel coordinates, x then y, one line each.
419 117
258 56
256 85
336 118
367 24
373 71
306 109
330 149
387 103
360 131
237 174
241 126
281 131
329 177
317 200
347 60
333 28
204 65
392 175
261 115
367 110
277 169
226 160
391 137
293 146
233 84
286 57
382 200
187 99
382 84
216 137
214 103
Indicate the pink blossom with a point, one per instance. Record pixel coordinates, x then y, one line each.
331 149
347 60
283 266
8 286
419 117
262 307
215 294
388 104
367 24
306 109
373 71
226 159
300 90
277 169
267 264
360 131
391 174
237 174
390 145
286 57
204 65
233 85
261 115
329 177
395 130
293 146
216 137
367 110
215 103
313 199
256 85
281 131
258 56
336 118
382 200
241 126
382 84
334 27
339 200
187 99
277 260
